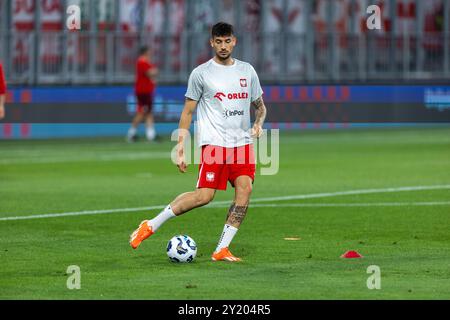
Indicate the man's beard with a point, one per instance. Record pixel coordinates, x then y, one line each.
221 58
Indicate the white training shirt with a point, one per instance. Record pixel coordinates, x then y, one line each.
224 94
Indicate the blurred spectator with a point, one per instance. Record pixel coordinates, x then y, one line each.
146 73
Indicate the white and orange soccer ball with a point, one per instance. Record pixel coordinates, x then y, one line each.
181 248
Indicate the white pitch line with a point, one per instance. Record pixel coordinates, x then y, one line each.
88 157
373 204
226 203
352 192
80 213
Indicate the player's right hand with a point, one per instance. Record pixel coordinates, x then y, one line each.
2 112
181 162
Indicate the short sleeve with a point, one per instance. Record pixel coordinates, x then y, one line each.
195 86
2 81
255 91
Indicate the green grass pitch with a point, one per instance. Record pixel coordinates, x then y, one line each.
405 233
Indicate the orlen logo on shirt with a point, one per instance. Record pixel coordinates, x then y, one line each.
231 96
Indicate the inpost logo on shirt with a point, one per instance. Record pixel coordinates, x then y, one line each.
232 113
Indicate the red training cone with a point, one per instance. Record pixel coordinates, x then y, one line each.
351 254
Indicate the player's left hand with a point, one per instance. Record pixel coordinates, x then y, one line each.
257 131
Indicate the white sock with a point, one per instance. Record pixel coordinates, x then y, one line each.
151 133
227 235
162 217
132 132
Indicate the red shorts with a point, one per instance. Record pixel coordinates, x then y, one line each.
144 102
218 165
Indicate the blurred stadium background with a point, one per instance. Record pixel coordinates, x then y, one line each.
319 64
364 119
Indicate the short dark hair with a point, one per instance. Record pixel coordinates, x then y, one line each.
222 29
143 50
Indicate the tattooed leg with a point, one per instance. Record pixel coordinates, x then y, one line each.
234 218
236 215
238 210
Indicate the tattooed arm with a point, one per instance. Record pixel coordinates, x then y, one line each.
260 114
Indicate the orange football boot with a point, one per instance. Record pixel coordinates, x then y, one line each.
140 234
224 255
